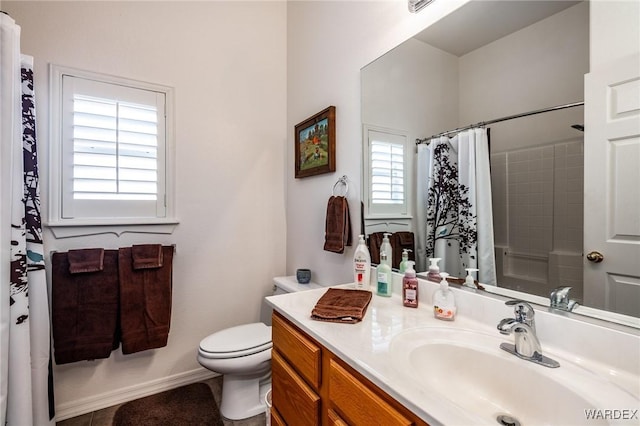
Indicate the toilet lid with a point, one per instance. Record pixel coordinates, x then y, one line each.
236 341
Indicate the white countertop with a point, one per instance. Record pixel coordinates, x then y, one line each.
365 346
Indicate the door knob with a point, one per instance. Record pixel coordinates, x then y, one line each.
595 257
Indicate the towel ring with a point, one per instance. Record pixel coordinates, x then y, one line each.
344 181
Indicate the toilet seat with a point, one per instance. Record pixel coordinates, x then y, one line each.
234 342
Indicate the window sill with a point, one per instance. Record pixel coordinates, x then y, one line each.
117 227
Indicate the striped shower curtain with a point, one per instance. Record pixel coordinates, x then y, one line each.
25 376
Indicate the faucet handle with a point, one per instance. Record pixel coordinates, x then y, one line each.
559 299
522 311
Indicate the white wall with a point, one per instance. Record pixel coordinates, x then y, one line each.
227 63
328 44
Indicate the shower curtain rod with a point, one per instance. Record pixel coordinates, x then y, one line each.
497 120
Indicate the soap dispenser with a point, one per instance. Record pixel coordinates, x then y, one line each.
444 303
410 287
405 259
434 270
384 277
385 247
361 265
469 281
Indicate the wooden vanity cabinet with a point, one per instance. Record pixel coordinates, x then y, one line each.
312 386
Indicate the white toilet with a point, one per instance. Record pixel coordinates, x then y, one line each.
242 354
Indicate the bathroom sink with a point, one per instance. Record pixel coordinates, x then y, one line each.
467 368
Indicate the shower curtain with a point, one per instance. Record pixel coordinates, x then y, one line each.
25 374
455 218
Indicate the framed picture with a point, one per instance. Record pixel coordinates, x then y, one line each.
315 144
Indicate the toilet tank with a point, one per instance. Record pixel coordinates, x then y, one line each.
283 285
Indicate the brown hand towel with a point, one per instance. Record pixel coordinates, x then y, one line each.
337 225
375 241
86 260
342 305
145 302
146 256
84 315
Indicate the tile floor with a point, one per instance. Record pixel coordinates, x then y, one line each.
105 417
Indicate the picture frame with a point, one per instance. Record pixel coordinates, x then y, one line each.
315 144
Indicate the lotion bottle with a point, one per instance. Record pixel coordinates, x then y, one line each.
405 259
434 270
385 247
384 277
361 265
444 303
410 287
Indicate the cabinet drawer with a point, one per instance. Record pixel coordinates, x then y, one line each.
293 399
334 419
297 349
358 404
276 420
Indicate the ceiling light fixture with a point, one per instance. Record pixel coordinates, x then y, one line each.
416 5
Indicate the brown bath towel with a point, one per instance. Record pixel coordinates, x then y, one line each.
375 241
86 260
342 305
146 256
145 302
337 230
84 309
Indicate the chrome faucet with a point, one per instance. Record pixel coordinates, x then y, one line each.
527 346
559 299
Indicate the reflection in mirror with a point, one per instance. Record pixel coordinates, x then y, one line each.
485 61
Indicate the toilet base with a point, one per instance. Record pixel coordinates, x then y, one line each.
243 397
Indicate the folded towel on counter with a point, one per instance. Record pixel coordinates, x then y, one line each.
146 256
342 305
145 302
84 314
337 230
86 260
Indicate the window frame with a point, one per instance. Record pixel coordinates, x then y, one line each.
56 218
386 211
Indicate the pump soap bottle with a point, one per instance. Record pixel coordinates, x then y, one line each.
410 287
469 281
405 259
385 247
434 270
383 272
444 303
361 265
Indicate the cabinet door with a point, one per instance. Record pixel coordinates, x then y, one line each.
294 400
297 349
335 420
359 404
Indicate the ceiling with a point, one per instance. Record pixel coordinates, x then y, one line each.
479 22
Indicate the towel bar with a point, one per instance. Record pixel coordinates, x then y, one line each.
344 181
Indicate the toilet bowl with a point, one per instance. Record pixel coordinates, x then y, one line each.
242 354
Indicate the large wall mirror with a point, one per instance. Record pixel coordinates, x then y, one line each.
485 61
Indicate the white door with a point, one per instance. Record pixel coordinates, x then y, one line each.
612 187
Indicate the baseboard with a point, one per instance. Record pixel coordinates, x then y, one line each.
108 399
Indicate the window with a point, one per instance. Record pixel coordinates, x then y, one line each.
387 173
110 162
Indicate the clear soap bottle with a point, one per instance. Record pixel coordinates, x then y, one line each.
444 303
384 277
361 265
